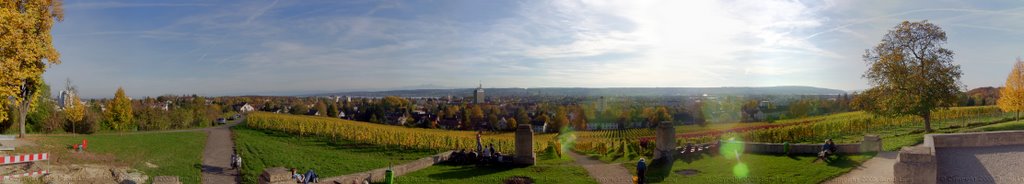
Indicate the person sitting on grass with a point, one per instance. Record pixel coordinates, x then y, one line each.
827 149
455 156
311 177
296 175
500 159
488 152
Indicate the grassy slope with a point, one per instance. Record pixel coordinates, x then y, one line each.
175 154
762 169
264 149
547 170
1013 125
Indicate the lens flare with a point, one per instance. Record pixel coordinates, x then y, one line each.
731 146
740 170
566 138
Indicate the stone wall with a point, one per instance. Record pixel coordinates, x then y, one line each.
377 175
870 143
977 139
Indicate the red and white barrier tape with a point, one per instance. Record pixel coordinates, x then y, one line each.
36 173
25 158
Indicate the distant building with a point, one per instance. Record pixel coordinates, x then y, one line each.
478 95
65 99
244 108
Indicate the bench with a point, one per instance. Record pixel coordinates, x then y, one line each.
6 148
7 137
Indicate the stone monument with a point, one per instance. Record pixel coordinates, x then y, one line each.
524 145
665 141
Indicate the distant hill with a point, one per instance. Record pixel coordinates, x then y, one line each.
987 92
983 95
671 91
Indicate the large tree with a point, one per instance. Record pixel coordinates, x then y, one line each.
26 49
1011 97
910 73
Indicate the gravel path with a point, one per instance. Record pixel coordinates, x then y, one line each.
1002 164
217 156
878 169
604 173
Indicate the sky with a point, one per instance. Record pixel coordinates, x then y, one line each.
256 47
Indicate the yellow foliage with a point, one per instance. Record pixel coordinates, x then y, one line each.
1011 97
380 134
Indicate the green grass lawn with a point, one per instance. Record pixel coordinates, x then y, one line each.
173 154
761 169
547 170
1013 125
265 149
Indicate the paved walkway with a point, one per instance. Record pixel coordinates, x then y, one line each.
999 164
604 173
217 156
876 170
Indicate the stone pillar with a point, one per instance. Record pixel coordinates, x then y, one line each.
871 143
665 141
524 145
915 165
276 175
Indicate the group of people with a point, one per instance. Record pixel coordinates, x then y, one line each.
309 177
481 154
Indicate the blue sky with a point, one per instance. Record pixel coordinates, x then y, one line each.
286 47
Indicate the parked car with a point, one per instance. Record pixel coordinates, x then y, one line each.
221 120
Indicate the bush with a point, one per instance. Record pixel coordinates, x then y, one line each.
53 123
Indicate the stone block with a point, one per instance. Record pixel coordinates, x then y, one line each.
915 165
166 180
275 175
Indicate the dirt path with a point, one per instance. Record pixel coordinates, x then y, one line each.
878 169
217 156
604 173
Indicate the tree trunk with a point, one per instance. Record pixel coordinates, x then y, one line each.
22 113
927 122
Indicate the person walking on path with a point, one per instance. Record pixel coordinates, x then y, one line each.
234 158
641 171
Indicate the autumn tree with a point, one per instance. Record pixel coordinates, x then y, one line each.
119 112
911 73
332 110
561 118
1011 97
75 111
321 108
26 49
